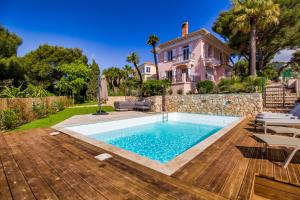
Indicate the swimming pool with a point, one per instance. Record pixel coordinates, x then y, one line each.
161 141
163 146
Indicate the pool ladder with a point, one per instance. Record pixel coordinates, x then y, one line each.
165 116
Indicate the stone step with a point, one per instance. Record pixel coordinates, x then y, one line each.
278 110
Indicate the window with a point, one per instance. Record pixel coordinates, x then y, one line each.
210 51
209 72
170 55
186 52
169 75
148 69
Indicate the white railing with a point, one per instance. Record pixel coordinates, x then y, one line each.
212 60
183 58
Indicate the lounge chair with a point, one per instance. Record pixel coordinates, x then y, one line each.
260 118
291 113
278 122
287 143
285 130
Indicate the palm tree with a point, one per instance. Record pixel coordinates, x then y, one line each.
251 15
134 59
127 71
152 41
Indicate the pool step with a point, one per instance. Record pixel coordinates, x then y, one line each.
165 117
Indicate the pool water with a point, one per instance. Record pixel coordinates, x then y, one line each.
160 141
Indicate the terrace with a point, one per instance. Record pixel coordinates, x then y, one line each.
36 165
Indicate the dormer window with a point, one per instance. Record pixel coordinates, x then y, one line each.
170 55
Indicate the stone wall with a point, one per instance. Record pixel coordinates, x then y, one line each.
112 99
220 104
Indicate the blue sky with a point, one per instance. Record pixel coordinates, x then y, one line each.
106 30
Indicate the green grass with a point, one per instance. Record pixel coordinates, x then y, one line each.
88 103
61 116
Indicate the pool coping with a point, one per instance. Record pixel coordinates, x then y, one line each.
169 168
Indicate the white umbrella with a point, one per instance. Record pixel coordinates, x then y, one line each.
102 91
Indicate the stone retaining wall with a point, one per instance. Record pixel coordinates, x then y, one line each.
219 104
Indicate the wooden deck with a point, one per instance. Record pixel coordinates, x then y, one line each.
35 165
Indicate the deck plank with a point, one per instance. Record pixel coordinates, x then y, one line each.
17 182
62 167
38 185
4 188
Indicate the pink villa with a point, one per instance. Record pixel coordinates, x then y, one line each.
193 57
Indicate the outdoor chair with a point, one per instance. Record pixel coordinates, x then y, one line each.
285 130
290 144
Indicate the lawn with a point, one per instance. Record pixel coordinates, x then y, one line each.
88 103
61 116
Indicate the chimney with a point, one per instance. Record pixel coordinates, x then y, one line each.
184 29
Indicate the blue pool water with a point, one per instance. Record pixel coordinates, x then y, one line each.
160 141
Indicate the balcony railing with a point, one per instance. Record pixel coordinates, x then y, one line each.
181 58
180 79
215 61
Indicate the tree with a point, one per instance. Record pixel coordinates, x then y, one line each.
12 69
152 41
251 15
41 64
128 71
241 68
294 63
113 76
270 39
74 79
9 43
92 86
134 59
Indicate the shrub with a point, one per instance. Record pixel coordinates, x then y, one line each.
39 109
9 119
180 91
238 85
12 92
154 87
58 106
170 91
36 91
205 87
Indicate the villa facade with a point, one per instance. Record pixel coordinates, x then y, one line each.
148 71
193 57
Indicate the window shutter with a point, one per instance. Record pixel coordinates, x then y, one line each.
206 51
190 47
165 56
174 53
180 51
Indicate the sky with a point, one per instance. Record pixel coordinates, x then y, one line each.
106 30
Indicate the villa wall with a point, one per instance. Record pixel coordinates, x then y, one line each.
220 104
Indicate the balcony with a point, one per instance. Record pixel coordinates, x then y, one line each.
212 61
184 59
183 78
